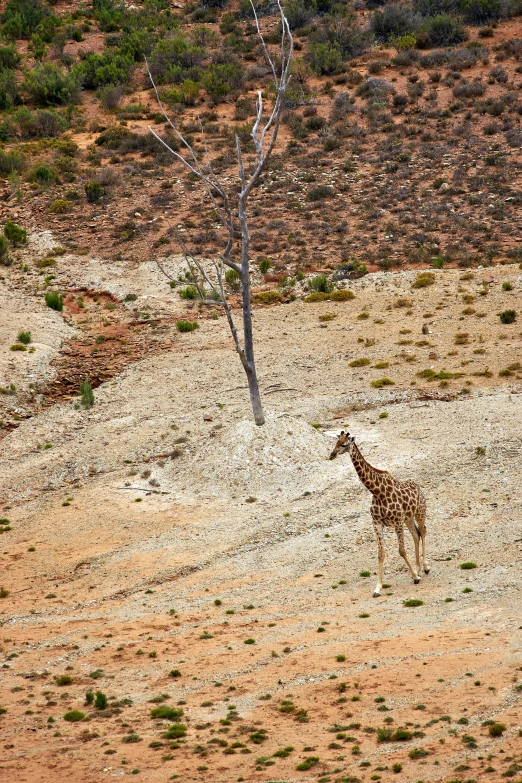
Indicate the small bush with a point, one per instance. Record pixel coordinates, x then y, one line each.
321 284
423 280
320 192
14 234
362 362
24 338
413 602
468 566
267 297
48 85
496 730
380 382
74 716
4 251
402 735
308 763
9 162
175 673
131 738
442 30
418 753
508 316
100 701
43 175
175 731
18 347
264 265
189 292
64 679
87 395
186 326
54 300
93 191
384 734
343 295
166 713
59 206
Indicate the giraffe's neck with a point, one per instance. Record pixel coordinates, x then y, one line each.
371 478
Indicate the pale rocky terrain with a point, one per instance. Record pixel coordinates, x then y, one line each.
244 533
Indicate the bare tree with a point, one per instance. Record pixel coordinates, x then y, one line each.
231 205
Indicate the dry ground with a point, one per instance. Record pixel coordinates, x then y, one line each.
257 536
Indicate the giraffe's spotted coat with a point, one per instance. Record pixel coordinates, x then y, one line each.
395 504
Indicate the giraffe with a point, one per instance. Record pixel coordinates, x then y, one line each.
395 504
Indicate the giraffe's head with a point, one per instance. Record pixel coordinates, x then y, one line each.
344 443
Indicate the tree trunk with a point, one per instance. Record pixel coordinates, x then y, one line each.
248 337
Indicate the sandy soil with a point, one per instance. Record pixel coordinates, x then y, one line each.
162 531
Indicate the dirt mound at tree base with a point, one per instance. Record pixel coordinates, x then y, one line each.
282 455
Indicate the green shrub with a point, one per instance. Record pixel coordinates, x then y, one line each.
18 347
508 316
89 697
93 191
8 90
413 602
343 295
74 716
14 234
100 701
418 753
468 566
423 280
131 738
175 59
402 735
308 763
24 338
186 326
87 395
43 175
384 734
166 713
9 162
320 192
480 12
22 17
267 297
54 300
496 729
324 58
189 292
59 207
49 85
4 251
437 262
380 382
360 362
98 70
9 58
321 284
264 265
233 279
219 80
175 673
393 22
175 731
443 30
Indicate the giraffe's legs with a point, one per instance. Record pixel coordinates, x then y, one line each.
377 525
416 538
402 552
421 522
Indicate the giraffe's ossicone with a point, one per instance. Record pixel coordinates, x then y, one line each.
396 504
